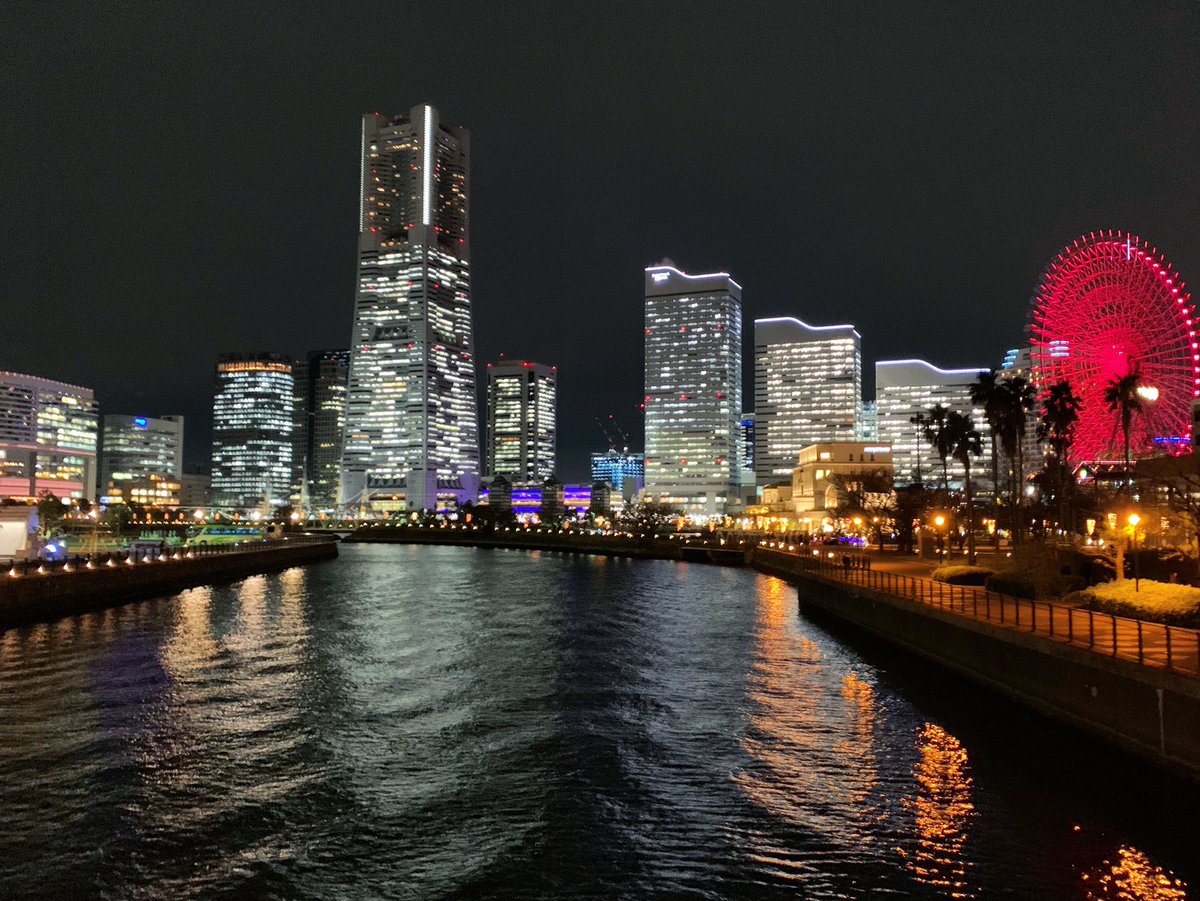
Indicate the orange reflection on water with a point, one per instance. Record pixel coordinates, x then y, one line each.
943 812
810 736
1135 878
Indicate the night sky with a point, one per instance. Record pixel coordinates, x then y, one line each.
181 179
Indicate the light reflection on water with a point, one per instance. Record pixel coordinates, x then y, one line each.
440 722
942 808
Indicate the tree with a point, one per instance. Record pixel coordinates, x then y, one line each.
990 393
50 513
1121 396
964 442
1016 400
919 421
868 495
1060 413
933 431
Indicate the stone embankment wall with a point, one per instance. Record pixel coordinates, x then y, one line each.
1150 712
35 598
649 548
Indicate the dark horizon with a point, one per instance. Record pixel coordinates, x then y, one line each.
184 183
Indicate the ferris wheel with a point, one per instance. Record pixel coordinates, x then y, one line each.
1107 305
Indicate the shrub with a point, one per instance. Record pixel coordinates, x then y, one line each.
1157 602
962 575
1018 585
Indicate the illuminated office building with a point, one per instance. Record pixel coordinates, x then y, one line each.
870 422
412 433
141 460
906 388
623 471
319 423
48 437
253 414
807 390
522 403
693 389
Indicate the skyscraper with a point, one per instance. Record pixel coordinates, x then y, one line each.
807 390
693 382
412 432
522 405
906 388
252 431
320 421
141 460
48 435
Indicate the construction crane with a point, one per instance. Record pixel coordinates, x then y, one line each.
612 442
617 436
620 431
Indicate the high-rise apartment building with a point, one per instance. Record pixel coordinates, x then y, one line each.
319 422
48 436
693 389
412 431
807 390
907 388
253 416
522 405
141 460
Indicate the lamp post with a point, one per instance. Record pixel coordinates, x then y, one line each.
939 521
1134 519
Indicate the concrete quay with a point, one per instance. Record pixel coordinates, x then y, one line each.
564 541
38 597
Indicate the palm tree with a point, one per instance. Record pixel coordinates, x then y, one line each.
1016 400
1121 395
1060 413
919 421
933 431
988 392
963 441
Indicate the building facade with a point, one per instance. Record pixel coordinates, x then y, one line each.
319 423
906 388
827 474
693 389
253 416
48 437
522 407
807 390
623 471
412 432
141 460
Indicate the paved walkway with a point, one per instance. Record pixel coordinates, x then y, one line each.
1143 642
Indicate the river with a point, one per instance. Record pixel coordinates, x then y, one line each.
436 722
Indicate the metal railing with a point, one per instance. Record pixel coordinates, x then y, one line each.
79 563
1171 648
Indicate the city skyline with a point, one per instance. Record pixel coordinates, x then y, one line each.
867 216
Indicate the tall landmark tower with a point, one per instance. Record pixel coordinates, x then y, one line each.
412 432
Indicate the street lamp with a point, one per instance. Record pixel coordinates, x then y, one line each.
1134 519
939 521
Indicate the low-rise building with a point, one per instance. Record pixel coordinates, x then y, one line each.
840 475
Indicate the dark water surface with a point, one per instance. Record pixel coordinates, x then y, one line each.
424 722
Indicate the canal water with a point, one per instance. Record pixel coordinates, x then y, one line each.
427 722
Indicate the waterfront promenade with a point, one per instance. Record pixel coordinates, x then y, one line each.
31 592
1150 644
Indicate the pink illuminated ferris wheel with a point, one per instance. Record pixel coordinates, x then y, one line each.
1108 304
